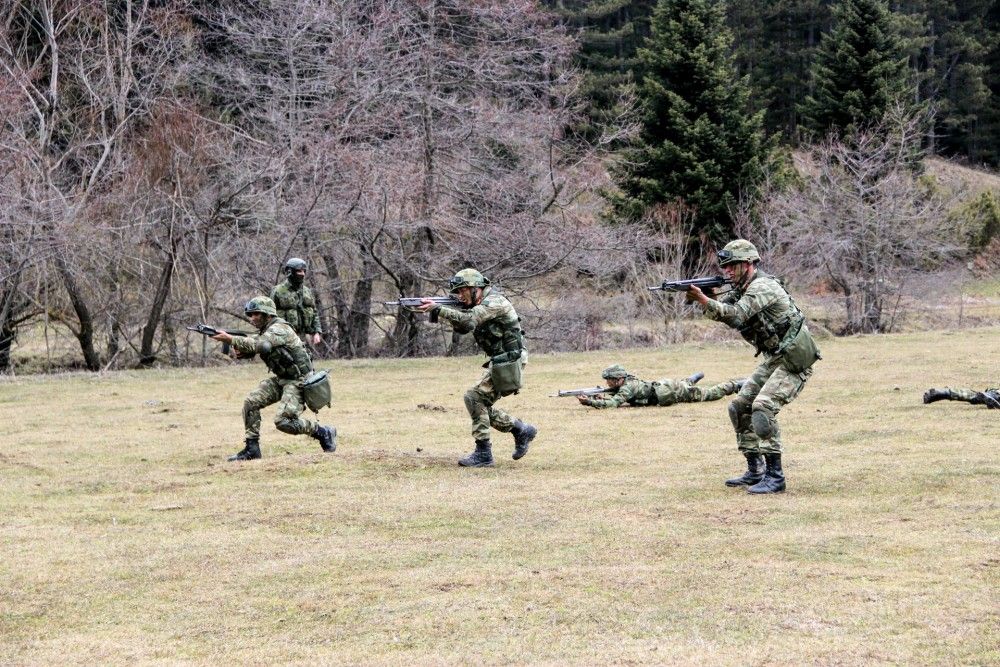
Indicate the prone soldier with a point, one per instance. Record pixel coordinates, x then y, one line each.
285 355
494 324
989 397
766 316
296 303
626 389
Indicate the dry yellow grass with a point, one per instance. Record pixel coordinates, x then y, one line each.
128 540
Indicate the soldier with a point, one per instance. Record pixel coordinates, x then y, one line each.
285 355
628 390
989 397
766 316
497 330
296 303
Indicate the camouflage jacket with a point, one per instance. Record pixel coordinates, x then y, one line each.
762 311
280 348
297 306
634 392
493 322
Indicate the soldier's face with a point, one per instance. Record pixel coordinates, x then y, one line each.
258 319
615 383
469 296
736 271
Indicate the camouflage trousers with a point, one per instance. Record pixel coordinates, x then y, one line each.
754 410
479 401
288 395
973 396
669 392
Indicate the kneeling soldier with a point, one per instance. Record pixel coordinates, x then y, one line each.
497 329
627 389
286 357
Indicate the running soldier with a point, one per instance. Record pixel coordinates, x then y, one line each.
280 348
494 324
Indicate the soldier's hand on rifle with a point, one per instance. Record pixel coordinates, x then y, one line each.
315 338
694 294
584 400
223 337
425 305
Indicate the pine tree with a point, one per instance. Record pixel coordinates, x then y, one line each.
860 70
609 33
699 142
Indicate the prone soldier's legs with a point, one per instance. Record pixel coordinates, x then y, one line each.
697 394
268 392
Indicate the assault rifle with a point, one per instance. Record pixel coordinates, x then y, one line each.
682 285
206 330
589 391
414 301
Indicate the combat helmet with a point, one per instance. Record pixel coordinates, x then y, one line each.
616 372
467 278
295 264
260 304
739 250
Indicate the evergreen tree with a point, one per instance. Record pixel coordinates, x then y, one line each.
609 33
699 142
859 72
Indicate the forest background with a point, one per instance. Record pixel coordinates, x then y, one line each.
164 158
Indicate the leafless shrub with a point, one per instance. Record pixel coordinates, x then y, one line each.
863 226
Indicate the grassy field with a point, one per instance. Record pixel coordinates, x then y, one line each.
127 539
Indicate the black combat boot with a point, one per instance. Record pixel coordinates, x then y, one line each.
934 395
754 473
481 458
250 452
327 436
523 435
774 478
695 378
988 398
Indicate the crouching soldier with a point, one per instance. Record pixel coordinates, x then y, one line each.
766 316
626 389
280 348
989 397
494 324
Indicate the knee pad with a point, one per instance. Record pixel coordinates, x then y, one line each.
763 424
471 401
737 408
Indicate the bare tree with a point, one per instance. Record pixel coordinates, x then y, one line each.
863 223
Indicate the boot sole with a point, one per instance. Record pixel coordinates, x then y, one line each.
476 465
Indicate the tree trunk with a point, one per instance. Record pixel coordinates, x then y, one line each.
85 335
146 354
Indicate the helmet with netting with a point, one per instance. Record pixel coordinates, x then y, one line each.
739 250
260 304
616 372
467 278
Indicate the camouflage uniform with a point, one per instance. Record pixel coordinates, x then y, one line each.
497 329
636 392
765 315
288 360
297 306
989 397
